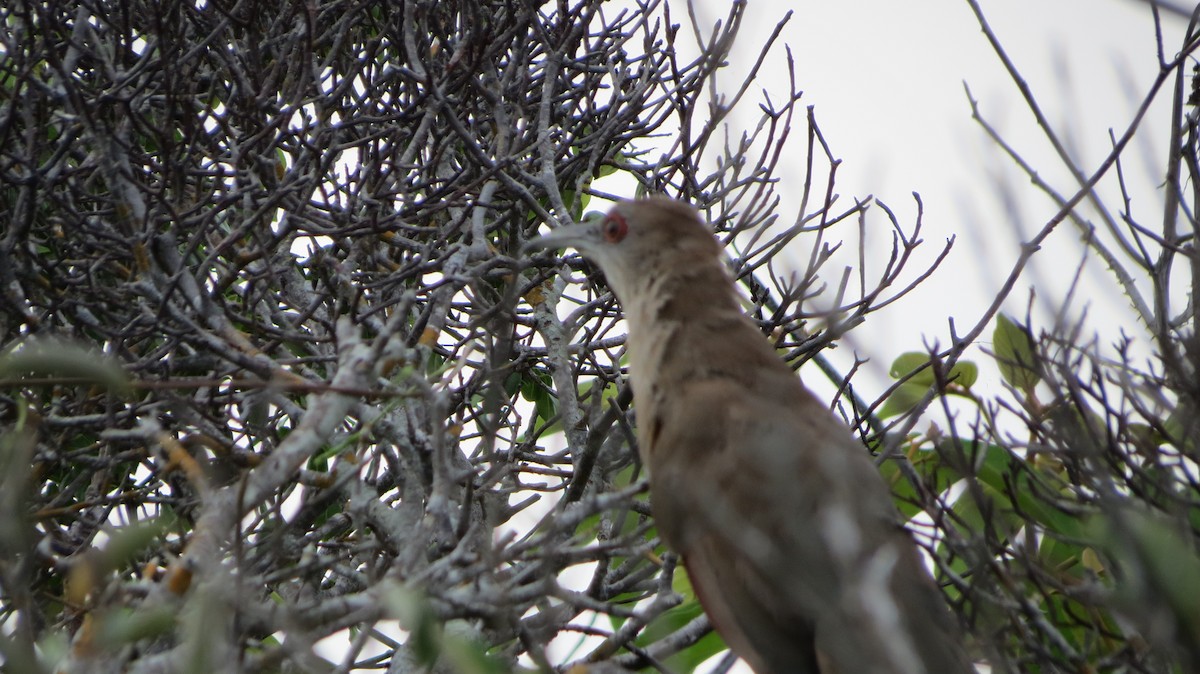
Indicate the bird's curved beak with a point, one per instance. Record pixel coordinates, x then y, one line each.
582 236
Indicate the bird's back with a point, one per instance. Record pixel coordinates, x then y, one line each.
787 530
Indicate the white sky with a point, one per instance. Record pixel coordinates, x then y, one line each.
887 77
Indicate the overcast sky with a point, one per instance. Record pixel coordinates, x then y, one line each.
887 81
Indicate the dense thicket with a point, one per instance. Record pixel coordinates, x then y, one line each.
275 370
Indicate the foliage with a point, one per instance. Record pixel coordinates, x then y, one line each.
274 370
1068 510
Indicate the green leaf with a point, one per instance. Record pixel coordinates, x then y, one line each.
547 408
123 625
1155 564
609 392
904 398
608 169
1062 557
964 373
912 368
576 201
513 383
627 520
62 358
903 492
1024 487
455 642
412 610
674 619
127 542
932 470
1013 347
462 646
908 362
538 388
987 510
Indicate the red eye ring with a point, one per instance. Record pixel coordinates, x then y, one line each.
614 228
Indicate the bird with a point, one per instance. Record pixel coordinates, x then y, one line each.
787 530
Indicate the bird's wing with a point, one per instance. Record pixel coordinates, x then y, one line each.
788 532
770 639
728 497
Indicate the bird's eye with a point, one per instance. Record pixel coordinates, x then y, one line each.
614 228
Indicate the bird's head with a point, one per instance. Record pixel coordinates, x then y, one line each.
638 240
